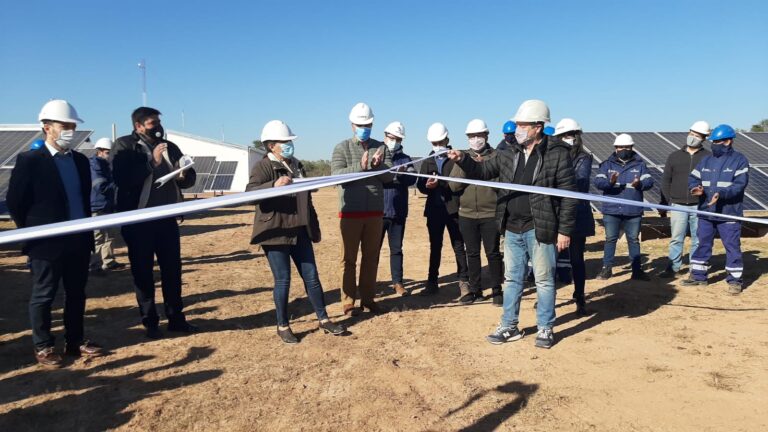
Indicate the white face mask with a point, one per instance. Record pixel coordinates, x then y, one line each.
392 144
476 143
521 135
437 148
569 141
65 139
692 141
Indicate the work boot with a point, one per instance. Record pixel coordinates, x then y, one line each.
734 288
430 289
693 282
640 275
470 298
400 290
605 274
581 308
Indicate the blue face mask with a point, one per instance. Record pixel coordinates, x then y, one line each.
363 133
718 150
286 149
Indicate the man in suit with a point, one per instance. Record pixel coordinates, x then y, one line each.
48 185
139 159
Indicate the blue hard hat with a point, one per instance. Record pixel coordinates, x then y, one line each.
549 131
36 144
722 132
509 127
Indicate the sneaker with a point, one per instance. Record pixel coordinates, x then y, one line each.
430 289
734 288
470 298
640 275
332 328
693 282
504 334
48 357
287 336
605 274
545 338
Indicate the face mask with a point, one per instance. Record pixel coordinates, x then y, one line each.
65 139
363 133
692 141
476 143
156 133
521 135
569 141
718 149
286 149
625 155
392 144
437 148
509 138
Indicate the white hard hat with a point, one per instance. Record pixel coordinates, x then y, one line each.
532 111
437 132
396 128
59 110
276 130
361 114
623 140
103 143
701 127
476 126
567 125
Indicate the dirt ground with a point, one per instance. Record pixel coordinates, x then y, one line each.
655 356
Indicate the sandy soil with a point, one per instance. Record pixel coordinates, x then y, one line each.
655 357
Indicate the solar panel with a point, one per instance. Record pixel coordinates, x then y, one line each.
199 184
755 153
758 186
677 138
12 142
761 137
204 164
222 182
652 147
87 152
209 182
599 143
227 168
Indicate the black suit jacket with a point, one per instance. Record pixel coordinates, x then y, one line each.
36 196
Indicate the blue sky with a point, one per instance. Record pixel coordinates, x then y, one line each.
234 65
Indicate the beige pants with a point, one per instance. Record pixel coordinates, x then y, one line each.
356 234
104 256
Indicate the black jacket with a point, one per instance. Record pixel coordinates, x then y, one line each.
674 182
441 201
551 215
131 166
36 197
279 220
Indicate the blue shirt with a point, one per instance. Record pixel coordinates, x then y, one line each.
65 163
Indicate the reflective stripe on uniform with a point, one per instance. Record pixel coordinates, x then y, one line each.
696 174
723 184
741 171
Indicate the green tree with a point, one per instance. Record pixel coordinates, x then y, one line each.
317 168
258 145
760 127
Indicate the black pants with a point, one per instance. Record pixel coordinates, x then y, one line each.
145 240
71 271
576 251
436 225
486 231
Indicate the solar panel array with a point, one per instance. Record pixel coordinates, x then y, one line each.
212 175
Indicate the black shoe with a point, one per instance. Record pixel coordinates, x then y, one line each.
581 309
470 298
430 289
114 265
693 282
332 328
668 273
640 275
504 334
498 298
605 274
154 333
183 327
287 336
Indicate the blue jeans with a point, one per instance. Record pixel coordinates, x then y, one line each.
517 249
303 256
613 225
681 223
394 229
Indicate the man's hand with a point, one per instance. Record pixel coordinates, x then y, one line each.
157 154
715 197
614 178
662 213
282 181
364 161
563 242
697 191
378 157
431 183
455 155
636 183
